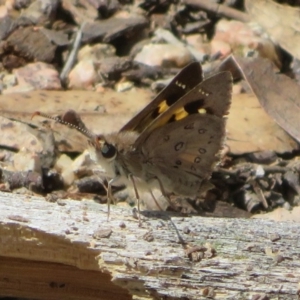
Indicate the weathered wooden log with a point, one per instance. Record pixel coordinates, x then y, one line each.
68 250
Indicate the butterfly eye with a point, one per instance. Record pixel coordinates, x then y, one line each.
108 150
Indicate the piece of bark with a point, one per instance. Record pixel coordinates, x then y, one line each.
80 12
168 257
112 28
30 44
218 9
7 25
54 281
39 12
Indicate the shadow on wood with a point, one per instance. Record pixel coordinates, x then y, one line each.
43 280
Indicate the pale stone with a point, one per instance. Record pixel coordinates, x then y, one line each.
164 54
26 160
82 165
64 167
242 38
83 75
45 77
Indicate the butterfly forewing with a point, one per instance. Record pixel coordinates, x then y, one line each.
183 82
211 96
181 146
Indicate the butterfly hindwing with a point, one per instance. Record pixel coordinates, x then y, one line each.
184 151
183 82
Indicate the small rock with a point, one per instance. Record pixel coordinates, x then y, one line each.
263 157
45 77
196 40
40 12
9 80
111 68
96 52
83 75
164 55
64 167
26 160
80 13
240 37
7 26
124 86
220 47
90 184
3 11
81 166
20 4
259 172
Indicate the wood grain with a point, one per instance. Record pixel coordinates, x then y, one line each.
149 262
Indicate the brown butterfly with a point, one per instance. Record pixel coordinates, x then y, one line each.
173 143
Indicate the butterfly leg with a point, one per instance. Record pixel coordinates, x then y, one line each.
165 194
137 196
101 177
156 202
110 195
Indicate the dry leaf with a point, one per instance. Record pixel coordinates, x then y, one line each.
281 22
277 93
250 129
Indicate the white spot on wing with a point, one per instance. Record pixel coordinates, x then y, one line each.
180 84
203 92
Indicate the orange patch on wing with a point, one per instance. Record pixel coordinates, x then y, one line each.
163 106
180 114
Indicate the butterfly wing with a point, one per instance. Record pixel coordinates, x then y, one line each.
182 152
183 82
211 96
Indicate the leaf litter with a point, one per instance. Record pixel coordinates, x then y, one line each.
259 171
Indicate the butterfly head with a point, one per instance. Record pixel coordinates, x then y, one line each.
103 153
103 149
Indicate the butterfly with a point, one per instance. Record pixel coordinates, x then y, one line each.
173 143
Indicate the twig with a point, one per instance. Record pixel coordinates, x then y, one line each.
73 54
259 194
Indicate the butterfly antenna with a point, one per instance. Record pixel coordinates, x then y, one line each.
74 121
